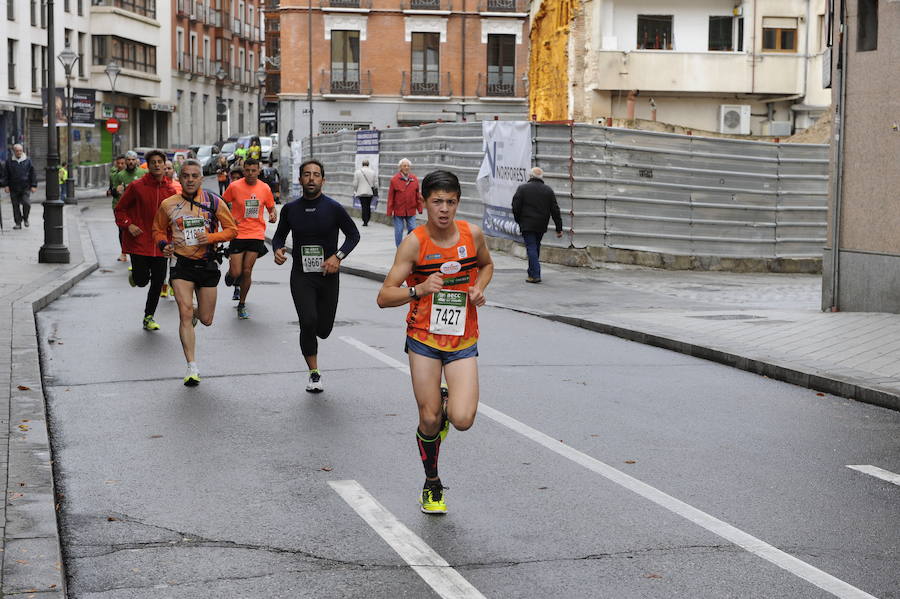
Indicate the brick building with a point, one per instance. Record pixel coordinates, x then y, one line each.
389 63
217 53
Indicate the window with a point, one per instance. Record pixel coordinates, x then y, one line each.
35 68
127 53
11 63
80 8
654 32
740 34
501 65
81 55
67 5
145 8
425 64
721 33
345 62
867 26
779 34
10 10
34 12
67 37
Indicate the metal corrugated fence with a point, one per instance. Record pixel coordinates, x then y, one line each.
633 190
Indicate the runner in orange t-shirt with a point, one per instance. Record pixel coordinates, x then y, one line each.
446 266
247 197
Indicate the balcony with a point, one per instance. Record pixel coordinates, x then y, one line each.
698 72
236 76
247 30
145 8
428 6
182 7
213 17
339 4
346 83
503 6
200 66
236 26
185 62
426 84
496 86
196 11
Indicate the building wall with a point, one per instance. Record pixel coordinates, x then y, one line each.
605 63
385 55
869 271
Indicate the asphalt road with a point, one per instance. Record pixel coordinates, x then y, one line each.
596 468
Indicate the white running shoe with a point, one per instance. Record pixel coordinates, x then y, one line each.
192 379
315 384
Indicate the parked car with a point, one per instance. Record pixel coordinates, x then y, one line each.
269 149
207 155
228 149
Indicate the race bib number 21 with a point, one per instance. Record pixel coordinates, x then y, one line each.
448 313
193 226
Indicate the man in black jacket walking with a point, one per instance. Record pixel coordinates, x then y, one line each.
21 182
533 205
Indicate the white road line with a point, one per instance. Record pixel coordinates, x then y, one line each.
795 566
433 569
878 473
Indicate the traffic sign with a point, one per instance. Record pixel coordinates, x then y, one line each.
112 125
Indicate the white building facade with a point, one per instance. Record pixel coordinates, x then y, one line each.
729 66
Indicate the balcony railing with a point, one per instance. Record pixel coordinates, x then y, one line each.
145 8
195 9
426 83
236 76
503 6
348 82
213 17
345 3
236 26
247 29
494 85
248 78
442 5
200 65
185 62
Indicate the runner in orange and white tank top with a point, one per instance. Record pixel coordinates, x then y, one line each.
446 266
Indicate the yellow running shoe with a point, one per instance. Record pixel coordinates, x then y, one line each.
432 500
150 324
164 292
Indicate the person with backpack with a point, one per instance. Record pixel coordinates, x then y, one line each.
365 187
189 226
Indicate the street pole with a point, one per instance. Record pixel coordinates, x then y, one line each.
112 73
309 33
53 250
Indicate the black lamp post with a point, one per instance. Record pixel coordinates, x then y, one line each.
112 71
68 58
261 79
53 250
220 79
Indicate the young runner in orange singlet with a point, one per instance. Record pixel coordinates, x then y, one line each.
446 266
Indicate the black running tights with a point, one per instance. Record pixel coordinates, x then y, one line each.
316 300
149 269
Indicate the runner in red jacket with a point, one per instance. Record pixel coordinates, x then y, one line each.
134 215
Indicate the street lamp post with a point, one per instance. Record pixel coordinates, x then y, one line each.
112 71
68 58
220 78
261 79
53 250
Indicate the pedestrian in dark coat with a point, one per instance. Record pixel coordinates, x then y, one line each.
21 182
534 204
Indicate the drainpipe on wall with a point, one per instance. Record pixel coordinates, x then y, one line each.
462 92
753 52
837 193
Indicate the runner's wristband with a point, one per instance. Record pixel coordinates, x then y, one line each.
161 245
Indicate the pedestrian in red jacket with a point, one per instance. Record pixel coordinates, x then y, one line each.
404 200
134 215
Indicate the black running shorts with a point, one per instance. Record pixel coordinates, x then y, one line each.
239 246
204 273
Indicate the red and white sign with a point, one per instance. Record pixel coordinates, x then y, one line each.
112 125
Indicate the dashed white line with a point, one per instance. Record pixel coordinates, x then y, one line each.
795 566
878 473
433 569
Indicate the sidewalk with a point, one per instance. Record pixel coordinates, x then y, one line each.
764 323
30 546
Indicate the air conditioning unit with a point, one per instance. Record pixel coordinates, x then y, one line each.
734 119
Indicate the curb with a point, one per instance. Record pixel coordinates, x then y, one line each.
32 558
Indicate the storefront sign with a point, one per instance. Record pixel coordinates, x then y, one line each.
163 107
121 113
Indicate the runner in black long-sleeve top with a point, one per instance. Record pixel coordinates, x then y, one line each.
313 222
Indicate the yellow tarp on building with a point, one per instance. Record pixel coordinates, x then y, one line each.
548 96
